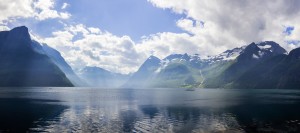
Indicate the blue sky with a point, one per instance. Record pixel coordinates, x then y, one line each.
289 30
135 18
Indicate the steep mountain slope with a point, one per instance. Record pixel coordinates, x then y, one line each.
177 70
227 55
21 65
279 72
98 77
144 75
258 65
249 57
63 65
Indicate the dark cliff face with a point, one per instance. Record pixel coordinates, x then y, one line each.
21 65
260 66
261 51
17 41
274 47
295 53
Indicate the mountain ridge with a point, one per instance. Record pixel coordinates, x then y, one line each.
256 65
220 71
22 66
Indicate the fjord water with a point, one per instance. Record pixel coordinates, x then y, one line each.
148 110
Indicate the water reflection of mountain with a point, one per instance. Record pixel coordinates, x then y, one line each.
268 117
19 115
92 110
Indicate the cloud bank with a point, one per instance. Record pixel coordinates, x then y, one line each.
229 23
38 9
89 46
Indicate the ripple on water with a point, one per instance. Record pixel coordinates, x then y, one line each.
165 111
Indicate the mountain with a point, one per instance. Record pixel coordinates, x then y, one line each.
279 72
248 58
177 70
99 77
180 70
143 76
56 57
227 55
260 65
263 65
22 65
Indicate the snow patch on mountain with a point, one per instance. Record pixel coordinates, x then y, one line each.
261 50
225 56
255 56
163 65
265 46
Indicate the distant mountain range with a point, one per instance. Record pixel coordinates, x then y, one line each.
264 65
99 77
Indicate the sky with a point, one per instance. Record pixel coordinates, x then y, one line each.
119 35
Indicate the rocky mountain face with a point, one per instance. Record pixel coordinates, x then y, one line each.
279 72
22 65
248 58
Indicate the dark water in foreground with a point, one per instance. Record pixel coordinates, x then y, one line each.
148 110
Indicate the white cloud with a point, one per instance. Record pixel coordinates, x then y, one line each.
166 43
190 25
65 5
3 27
96 48
94 30
17 8
200 40
39 9
228 23
44 10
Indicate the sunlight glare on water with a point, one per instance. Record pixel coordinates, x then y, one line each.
151 110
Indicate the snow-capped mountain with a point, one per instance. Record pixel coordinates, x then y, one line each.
181 70
173 71
191 60
262 49
225 56
252 55
277 72
267 49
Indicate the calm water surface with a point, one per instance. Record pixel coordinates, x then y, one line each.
148 110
